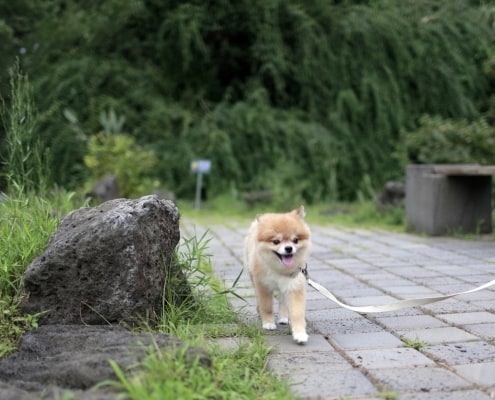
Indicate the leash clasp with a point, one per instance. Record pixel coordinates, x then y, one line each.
305 271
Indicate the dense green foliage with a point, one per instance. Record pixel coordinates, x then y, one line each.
305 97
440 140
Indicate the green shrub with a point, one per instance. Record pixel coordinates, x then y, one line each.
120 156
439 140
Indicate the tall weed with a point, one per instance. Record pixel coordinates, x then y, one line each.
26 166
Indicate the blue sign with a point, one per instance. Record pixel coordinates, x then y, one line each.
201 166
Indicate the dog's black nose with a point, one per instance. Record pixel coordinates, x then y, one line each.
288 249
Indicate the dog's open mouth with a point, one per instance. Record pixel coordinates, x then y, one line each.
286 259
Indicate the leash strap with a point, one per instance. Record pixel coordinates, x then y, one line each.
397 305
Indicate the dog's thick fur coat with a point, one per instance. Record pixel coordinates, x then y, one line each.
275 250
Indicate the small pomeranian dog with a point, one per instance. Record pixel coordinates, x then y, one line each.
275 250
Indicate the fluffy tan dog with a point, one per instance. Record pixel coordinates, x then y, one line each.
275 249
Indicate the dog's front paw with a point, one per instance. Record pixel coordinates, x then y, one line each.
269 326
283 321
300 337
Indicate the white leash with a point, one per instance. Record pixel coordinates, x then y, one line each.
397 305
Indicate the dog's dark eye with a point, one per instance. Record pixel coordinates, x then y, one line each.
295 240
276 241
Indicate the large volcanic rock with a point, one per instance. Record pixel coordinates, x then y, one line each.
107 264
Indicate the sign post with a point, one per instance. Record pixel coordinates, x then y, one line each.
199 167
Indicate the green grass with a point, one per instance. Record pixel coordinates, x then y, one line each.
26 224
415 344
235 373
364 214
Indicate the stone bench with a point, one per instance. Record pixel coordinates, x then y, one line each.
449 198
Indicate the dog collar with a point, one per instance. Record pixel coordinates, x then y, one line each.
303 270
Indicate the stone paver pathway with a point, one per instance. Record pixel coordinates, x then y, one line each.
353 356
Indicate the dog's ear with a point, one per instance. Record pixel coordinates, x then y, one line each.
300 211
258 217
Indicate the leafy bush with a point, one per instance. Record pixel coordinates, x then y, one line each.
120 156
439 140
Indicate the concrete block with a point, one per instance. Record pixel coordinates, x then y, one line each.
438 204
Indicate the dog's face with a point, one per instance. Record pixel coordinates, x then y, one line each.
283 240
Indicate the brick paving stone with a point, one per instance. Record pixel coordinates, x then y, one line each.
451 270
481 317
412 292
454 288
480 373
357 292
419 379
321 304
413 272
462 353
486 331
370 340
401 313
285 344
311 377
370 300
384 281
451 306
453 395
389 358
479 279
316 369
477 296
331 316
487 305
438 335
438 282
410 322
356 325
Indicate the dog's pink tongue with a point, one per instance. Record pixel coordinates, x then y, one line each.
287 260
